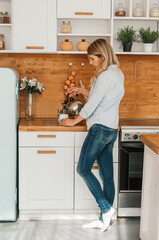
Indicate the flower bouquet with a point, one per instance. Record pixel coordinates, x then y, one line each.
30 86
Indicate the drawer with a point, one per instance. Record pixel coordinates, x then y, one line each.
78 150
58 139
80 137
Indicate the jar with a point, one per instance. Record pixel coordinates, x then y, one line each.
138 11
66 45
2 42
4 18
65 27
154 11
83 45
120 11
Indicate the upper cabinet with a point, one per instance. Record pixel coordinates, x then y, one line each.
89 20
6 26
34 25
136 13
83 9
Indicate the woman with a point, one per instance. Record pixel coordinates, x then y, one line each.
101 114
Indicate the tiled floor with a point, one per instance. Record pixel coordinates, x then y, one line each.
124 229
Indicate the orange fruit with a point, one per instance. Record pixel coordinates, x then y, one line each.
67 82
71 85
73 73
70 78
65 87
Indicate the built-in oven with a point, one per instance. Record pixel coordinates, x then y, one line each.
131 155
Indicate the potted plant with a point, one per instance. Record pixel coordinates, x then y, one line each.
127 36
148 38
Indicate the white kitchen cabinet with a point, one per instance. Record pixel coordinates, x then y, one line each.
34 25
83 9
137 22
89 20
46 173
7 28
84 201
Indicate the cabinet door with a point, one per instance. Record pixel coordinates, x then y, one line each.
46 178
83 9
34 25
83 198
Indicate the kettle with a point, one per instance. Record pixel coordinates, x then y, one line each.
73 106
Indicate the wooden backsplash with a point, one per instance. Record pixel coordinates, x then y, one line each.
141 99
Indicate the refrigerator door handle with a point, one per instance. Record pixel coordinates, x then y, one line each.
17 90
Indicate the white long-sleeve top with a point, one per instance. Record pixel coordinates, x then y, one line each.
104 99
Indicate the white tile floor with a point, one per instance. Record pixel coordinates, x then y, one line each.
125 229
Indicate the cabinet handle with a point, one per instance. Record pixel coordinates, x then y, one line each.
34 47
46 136
95 167
46 152
83 13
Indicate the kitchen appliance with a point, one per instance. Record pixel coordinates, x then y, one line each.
131 151
72 105
8 143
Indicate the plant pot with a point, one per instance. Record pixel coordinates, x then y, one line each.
148 47
127 47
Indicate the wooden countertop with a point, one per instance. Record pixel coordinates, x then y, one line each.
152 141
42 124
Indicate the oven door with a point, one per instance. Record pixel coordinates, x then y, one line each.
130 178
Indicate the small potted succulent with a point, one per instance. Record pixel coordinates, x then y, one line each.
148 38
127 36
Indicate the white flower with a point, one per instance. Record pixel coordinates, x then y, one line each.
40 87
32 83
22 86
23 79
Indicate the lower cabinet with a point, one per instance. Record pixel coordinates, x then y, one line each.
46 178
83 197
84 200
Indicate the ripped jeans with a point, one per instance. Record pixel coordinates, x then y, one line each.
98 145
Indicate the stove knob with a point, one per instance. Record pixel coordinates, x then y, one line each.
135 136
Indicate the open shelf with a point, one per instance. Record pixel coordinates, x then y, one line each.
71 52
137 53
82 35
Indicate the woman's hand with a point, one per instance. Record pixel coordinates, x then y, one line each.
67 122
74 90
70 122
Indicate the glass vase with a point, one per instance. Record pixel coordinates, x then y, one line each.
30 106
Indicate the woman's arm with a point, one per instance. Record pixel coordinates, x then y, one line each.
76 90
71 122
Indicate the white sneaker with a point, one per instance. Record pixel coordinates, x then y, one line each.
107 219
94 224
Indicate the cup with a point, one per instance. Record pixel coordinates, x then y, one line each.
62 116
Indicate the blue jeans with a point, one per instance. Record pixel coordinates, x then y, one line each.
98 145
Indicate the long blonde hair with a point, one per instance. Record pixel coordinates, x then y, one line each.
101 48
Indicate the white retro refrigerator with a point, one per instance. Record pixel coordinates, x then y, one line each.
8 143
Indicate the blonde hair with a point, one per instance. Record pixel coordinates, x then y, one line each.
102 48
